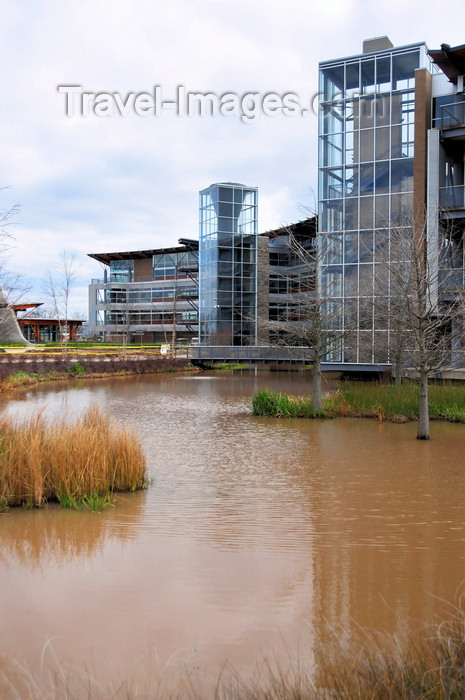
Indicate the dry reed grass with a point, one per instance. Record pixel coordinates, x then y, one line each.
41 462
427 664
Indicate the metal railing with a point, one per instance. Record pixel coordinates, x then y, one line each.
452 114
255 353
451 280
452 197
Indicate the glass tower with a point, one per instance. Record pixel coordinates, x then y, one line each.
366 176
228 264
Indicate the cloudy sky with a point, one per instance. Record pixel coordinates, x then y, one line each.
109 183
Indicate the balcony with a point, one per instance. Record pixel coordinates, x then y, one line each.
450 115
452 197
451 280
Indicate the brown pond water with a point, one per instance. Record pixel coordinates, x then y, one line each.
256 536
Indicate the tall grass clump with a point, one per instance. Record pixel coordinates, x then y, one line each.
74 464
406 666
273 403
425 664
381 401
368 400
390 402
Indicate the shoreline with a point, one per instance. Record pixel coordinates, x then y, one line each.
32 371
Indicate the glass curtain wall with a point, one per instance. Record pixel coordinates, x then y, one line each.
228 265
169 297
121 270
174 265
366 152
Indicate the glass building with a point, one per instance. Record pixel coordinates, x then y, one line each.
371 106
146 295
228 264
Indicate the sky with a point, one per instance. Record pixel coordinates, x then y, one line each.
106 182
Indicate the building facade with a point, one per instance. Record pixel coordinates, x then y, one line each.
146 296
391 159
291 256
373 125
228 230
445 175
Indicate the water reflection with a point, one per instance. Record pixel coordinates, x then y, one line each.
38 538
256 534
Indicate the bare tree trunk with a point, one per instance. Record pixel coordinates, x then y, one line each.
173 336
399 366
316 401
423 416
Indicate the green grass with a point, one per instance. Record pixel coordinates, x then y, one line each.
273 403
12 344
94 501
368 400
19 376
224 366
386 401
75 370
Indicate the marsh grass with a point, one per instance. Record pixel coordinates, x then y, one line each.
78 465
368 400
386 401
428 664
273 403
229 366
93 501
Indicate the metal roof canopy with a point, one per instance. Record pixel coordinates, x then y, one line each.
23 307
305 228
106 258
52 321
451 60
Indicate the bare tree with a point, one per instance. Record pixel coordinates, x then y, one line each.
424 306
58 286
7 216
12 283
311 312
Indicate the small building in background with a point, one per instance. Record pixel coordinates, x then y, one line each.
37 329
10 332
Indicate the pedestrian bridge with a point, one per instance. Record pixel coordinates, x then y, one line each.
273 355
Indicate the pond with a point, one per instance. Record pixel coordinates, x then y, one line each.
256 536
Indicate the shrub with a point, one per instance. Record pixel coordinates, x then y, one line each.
75 370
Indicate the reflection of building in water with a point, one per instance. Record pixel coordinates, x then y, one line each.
380 527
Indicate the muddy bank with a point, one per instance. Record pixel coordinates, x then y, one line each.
23 370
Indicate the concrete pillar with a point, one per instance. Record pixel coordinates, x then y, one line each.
263 290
